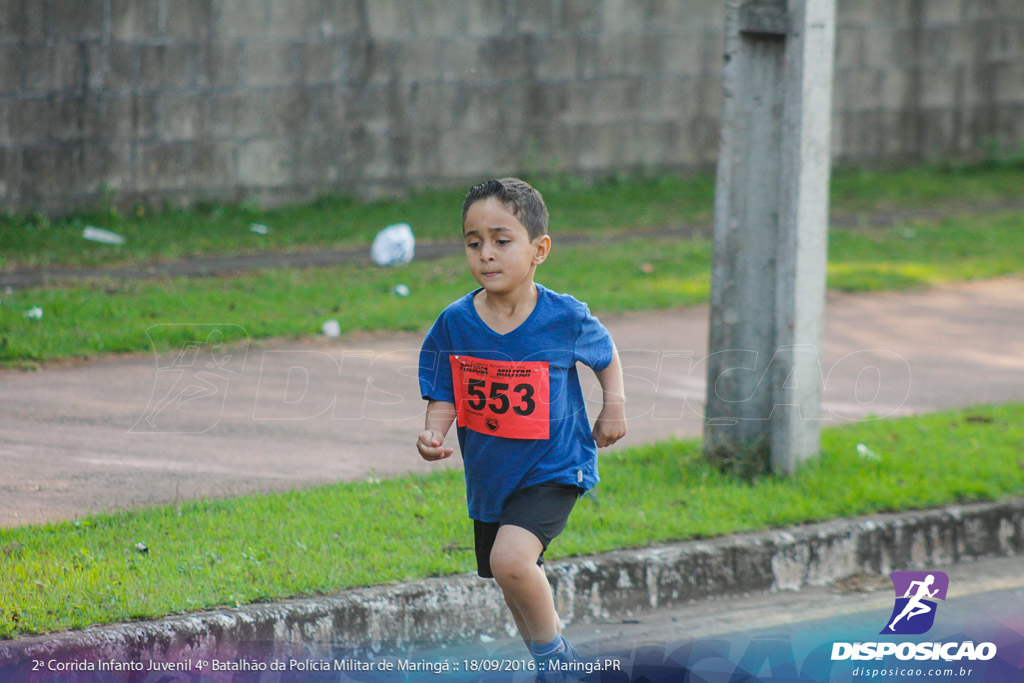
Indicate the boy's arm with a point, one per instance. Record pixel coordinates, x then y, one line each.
611 423
440 415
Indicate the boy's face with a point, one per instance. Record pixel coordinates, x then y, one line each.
500 253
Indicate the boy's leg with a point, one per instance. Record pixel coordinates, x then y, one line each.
484 535
521 623
517 617
524 584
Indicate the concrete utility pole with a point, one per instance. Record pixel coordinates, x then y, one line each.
771 228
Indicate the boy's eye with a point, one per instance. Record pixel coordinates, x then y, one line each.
472 245
504 242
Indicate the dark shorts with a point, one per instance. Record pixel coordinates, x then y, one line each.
542 510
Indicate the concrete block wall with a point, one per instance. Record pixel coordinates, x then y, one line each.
281 100
920 79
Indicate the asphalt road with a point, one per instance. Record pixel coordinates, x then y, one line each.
789 636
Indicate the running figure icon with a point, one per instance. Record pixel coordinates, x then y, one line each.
915 606
917 594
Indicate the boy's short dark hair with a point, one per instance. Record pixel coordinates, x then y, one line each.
519 197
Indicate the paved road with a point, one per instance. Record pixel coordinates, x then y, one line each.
788 636
123 431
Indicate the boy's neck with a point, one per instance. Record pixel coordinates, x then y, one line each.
509 304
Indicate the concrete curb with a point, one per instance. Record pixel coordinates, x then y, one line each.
613 585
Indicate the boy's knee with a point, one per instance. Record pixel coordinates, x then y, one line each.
509 567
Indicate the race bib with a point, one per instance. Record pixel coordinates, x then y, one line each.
502 398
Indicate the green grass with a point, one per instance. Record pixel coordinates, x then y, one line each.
614 205
322 540
640 274
336 222
942 186
924 253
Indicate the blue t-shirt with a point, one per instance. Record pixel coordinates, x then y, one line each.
559 331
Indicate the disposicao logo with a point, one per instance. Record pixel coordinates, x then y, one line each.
914 614
916 593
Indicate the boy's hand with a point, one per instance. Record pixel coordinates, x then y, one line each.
430 445
610 425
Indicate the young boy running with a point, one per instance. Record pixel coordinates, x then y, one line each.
501 361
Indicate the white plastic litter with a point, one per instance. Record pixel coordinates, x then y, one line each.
484 638
400 290
393 246
35 313
95 234
258 228
866 453
332 328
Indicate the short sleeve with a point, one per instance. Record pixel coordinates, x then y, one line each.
435 369
593 345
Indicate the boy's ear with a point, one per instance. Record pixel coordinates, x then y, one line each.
541 249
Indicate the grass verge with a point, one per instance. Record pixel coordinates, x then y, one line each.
337 222
322 540
614 205
85 319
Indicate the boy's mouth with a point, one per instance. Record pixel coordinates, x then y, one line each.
491 274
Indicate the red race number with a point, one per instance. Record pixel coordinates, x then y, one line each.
502 398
